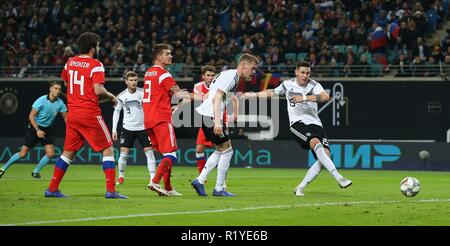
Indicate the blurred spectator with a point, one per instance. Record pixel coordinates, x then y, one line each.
418 68
432 67
322 69
350 62
248 46
446 67
140 67
403 67
363 66
23 63
337 57
421 50
436 50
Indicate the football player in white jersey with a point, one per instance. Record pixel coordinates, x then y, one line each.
130 101
303 95
221 92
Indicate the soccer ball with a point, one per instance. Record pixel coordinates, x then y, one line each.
410 186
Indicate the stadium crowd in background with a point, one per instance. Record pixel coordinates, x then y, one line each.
341 33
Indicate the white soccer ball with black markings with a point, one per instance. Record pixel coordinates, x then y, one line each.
410 186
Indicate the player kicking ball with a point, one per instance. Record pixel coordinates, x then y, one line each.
303 95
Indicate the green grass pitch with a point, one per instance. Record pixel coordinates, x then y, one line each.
265 197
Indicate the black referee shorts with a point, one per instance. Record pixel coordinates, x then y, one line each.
31 138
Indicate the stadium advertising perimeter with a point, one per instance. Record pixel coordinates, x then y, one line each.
279 153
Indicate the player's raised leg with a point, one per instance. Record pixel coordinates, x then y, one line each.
323 155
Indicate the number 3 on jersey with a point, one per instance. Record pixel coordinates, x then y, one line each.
74 80
147 91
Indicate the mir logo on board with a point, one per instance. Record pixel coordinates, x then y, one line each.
365 156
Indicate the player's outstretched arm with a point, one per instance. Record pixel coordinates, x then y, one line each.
183 94
264 93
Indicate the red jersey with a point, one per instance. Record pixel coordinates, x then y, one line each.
200 89
80 74
157 96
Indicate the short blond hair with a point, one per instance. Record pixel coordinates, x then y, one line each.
248 58
130 74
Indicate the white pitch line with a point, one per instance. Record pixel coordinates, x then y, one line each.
223 210
143 178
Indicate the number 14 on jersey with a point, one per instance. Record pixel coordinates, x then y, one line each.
73 78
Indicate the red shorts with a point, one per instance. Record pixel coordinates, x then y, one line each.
91 128
201 139
163 137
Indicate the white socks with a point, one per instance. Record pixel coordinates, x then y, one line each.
122 164
222 168
151 163
312 173
325 160
211 163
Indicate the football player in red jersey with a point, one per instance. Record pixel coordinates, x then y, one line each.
84 77
202 88
159 87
